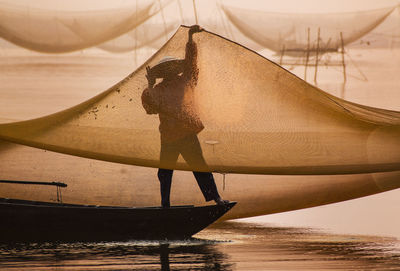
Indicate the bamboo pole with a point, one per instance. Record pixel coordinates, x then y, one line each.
34 182
316 56
308 54
343 63
282 53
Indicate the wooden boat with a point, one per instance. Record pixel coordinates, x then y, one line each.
32 221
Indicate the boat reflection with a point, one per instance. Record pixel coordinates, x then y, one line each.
192 254
240 246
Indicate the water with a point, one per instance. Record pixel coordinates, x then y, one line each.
224 246
30 88
135 255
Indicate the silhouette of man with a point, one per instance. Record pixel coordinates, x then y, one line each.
173 100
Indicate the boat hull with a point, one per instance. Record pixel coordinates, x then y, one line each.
41 221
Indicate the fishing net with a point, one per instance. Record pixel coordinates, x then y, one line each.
250 116
152 33
293 33
58 31
103 183
149 34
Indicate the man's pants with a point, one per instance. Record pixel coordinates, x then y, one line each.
189 148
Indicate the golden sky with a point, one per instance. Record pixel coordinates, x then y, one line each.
271 5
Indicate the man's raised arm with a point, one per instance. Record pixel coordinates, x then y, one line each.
190 70
148 99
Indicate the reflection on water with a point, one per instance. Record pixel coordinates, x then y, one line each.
225 246
191 254
280 248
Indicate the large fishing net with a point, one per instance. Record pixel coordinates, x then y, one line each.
294 33
58 31
257 118
104 183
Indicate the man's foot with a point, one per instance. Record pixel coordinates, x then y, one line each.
220 201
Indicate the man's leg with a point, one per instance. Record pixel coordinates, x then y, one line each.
168 155
190 150
206 182
165 178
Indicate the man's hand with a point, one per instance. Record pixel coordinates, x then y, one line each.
194 29
150 79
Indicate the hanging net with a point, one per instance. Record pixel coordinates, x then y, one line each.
249 115
295 32
148 34
102 183
152 33
57 31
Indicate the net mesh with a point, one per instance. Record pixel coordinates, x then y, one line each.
103 183
57 31
257 117
148 34
153 33
289 31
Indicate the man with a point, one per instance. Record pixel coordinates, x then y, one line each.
173 101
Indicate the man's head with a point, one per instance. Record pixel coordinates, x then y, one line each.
168 67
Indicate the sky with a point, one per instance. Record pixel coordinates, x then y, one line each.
278 6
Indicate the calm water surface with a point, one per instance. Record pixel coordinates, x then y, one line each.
224 246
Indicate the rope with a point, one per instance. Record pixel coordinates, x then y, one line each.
195 11
181 12
165 23
136 60
223 21
357 67
59 195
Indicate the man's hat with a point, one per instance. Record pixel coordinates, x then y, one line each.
167 59
166 66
